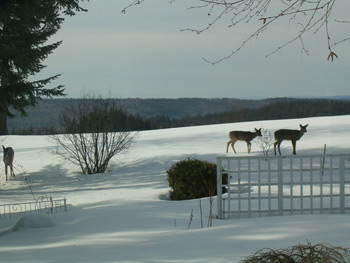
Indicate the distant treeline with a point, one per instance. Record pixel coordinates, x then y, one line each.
121 121
294 108
279 110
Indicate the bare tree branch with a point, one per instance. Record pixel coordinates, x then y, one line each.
310 15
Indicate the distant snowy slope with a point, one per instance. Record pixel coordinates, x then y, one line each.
123 215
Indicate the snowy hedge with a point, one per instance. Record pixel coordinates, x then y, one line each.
192 178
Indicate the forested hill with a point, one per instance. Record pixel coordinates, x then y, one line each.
301 108
144 114
46 112
178 108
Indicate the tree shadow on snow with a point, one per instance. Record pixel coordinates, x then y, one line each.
59 179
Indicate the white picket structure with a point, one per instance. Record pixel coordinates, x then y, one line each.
44 204
282 185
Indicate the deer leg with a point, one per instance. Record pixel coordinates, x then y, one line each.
12 172
279 148
233 143
6 171
228 144
249 146
274 148
294 144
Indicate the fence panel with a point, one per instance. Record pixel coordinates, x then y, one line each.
253 186
42 205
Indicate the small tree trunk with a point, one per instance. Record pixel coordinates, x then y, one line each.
3 123
3 103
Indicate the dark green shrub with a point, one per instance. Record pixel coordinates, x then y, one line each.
319 253
192 178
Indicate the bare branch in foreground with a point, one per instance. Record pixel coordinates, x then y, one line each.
309 16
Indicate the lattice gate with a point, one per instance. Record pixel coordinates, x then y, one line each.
256 186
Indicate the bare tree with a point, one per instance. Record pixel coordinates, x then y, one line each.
89 139
265 141
310 17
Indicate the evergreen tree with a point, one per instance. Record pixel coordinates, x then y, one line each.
25 27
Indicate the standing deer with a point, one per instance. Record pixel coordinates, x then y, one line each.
9 154
242 136
290 135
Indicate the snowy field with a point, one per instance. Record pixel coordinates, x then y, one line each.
124 215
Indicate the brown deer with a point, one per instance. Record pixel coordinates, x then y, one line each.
9 154
290 135
242 136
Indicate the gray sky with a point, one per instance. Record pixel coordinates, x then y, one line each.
143 54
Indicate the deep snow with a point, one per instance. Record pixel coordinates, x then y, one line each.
123 215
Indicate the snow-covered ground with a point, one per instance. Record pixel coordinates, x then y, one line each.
124 216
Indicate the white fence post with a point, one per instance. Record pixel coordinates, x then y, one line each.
342 184
280 185
228 188
219 187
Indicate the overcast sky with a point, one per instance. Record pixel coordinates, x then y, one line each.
144 54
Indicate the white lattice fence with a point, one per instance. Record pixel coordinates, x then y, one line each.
256 186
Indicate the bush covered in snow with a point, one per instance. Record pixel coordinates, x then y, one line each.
192 178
